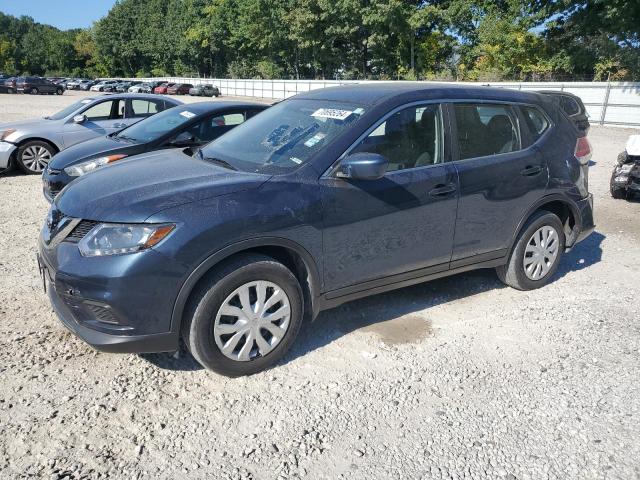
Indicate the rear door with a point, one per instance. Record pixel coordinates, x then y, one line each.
499 179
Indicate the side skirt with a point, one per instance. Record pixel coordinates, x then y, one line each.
343 295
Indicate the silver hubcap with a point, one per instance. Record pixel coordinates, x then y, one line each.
252 321
541 252
36 158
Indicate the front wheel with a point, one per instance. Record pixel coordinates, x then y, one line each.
536 254
34 156
59 91
244 316
34 91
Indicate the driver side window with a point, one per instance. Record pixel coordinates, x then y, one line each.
410 138
105 111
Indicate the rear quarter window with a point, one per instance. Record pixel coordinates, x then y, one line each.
569 105
536 121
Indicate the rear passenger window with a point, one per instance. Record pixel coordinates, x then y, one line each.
409 138
485 130
536 122
144 108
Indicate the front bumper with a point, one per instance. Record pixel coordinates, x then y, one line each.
117 304
6 151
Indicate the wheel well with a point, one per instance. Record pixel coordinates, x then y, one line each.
566 216
289 258
37 139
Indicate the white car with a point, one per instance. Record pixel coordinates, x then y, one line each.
100 86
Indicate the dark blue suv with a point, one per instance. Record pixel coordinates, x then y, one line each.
329 196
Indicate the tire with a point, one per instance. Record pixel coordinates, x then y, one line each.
34 91
514 274
203 321
59 91
32 157
10 90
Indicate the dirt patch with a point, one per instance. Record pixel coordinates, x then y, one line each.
402 330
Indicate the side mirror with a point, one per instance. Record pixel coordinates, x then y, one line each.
80 118
183 139
363 166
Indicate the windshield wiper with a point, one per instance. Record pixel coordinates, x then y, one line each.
217 161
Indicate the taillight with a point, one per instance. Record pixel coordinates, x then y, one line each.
583 150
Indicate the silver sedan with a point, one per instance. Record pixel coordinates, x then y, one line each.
31 144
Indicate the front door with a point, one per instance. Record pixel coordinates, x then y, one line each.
403 222
102 119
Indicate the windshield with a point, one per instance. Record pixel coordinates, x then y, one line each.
156 126
69 110
284 136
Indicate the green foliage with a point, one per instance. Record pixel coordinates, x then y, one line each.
382 39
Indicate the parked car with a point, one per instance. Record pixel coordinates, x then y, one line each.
191 126
204 91
4 88
179 89
31 144
163 87
625 178
326 197
144 87
571 105
10 84
37 85
104 85
123 87
74 84
85 85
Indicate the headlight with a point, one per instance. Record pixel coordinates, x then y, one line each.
118 239
5 133
90 165
626 168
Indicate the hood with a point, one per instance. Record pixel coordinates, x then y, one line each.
24 124
134 189
96 147
633 145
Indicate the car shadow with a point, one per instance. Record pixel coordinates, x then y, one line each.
583 255
374 311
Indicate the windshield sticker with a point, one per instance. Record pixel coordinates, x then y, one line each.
359 111
295 160
86 100
317 138
332 113
187 114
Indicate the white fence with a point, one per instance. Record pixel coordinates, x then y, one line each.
607 103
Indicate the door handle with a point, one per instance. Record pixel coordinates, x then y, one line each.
442 190
531 170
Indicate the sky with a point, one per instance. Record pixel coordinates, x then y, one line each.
64 14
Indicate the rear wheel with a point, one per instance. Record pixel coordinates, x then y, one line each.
59 91
34 156
34 91
244 317
536 254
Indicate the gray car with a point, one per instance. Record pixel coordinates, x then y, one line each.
30 144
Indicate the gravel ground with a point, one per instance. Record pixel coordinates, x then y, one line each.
457 378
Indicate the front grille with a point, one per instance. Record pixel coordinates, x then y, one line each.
81 230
